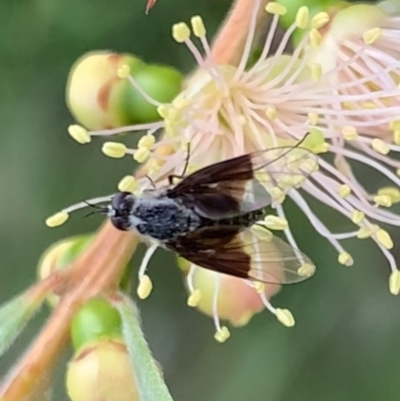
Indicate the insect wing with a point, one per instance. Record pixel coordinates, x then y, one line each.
254 254
245 183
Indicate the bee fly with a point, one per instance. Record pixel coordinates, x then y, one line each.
211 217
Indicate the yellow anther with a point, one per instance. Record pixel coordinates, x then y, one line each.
309 166
141 155
128 184
275 222
302 17
394 283
398 172
57 219
322 148
222 335
180 32
344 191
194 298
314 139
369 105
396 137
357 216
80 134
262 176
153 166
383 200
241 120
262 232
313 118
147 141
379 146
277 194
392 192
124 71
306 270
315 38
144 288
394 125
163 110
259 287
114 149
372 35
345 259
366 232
319 20
180 103
271 113
275 8
288 181
349 133
316 71
198 26
383 237
285 317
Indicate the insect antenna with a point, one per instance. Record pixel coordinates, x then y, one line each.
187 160
97 209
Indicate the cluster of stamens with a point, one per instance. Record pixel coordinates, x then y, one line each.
227 111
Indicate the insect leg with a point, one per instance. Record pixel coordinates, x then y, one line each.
172 176
151 181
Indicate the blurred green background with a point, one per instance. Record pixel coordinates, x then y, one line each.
345 344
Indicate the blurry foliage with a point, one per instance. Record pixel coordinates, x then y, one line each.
345 343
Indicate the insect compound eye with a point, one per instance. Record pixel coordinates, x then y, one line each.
122 202
121 209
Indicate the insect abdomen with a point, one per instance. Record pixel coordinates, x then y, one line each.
245 220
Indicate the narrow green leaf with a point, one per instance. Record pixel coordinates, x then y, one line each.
150 383
14 315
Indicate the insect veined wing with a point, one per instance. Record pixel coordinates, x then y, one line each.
253 253
246 183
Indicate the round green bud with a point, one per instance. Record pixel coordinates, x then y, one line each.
92 85
59 256
161 83
96 319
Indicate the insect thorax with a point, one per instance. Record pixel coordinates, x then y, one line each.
163 218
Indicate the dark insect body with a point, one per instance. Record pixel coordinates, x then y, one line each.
211 217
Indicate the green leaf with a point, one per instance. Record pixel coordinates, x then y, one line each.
150 384
13 317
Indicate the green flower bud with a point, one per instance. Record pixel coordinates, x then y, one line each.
101 94
101 371
161 83
59 256
92 85
96 319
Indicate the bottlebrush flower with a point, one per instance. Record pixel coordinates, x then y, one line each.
226 111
